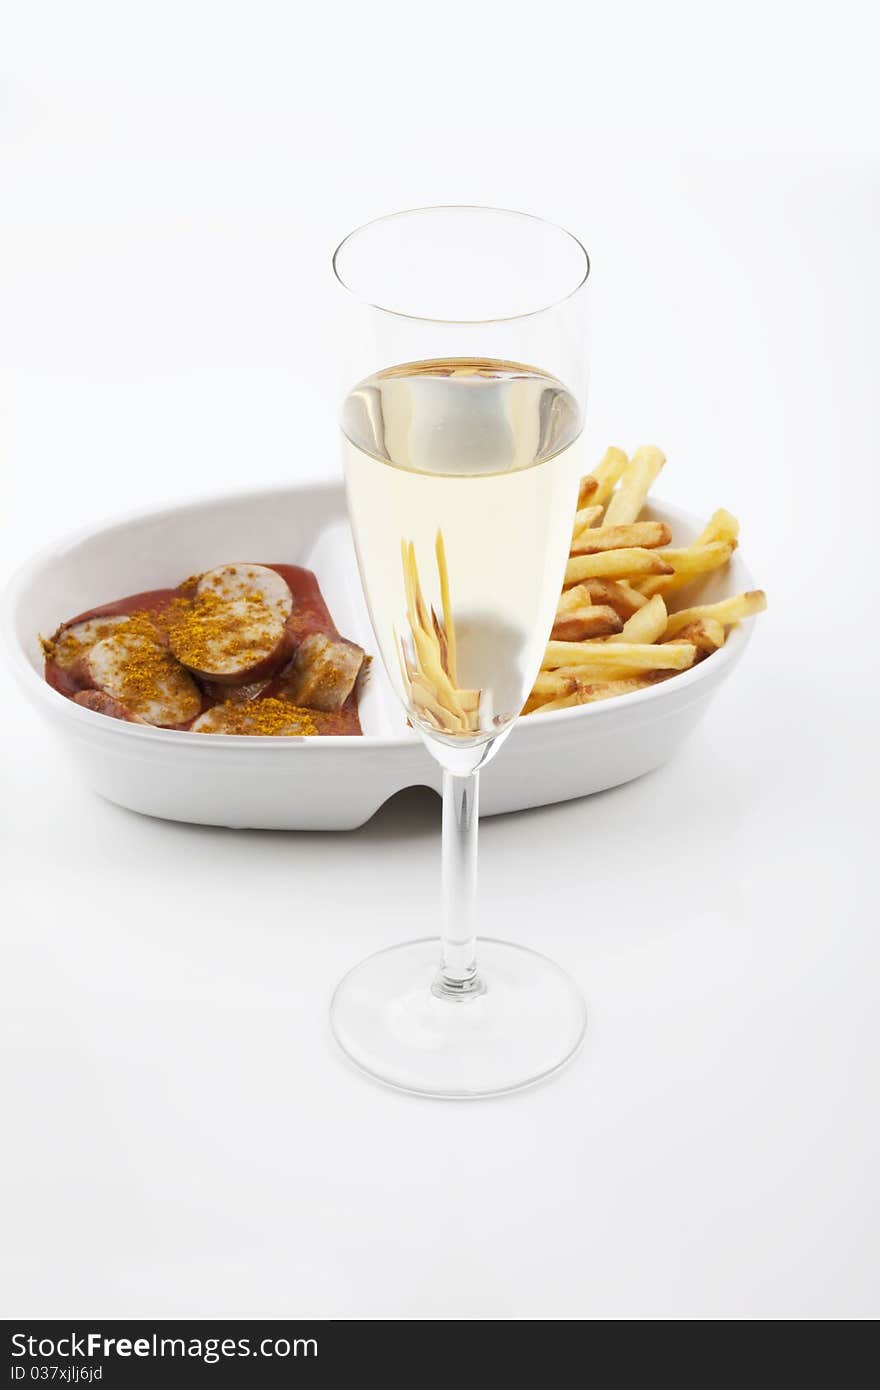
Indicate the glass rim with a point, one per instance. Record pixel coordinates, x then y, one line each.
461 207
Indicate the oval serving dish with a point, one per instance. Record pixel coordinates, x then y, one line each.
327 783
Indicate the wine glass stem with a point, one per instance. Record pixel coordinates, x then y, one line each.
457 977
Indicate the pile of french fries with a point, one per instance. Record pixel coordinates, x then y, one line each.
614 632
429 660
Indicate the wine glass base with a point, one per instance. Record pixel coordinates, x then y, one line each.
527 1023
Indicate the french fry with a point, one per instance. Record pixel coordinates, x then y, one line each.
551 684
698 559
578 597
638 476
713 631
687 563
728 612
428 705
596 690
721 526
594 621
588 489
425 643
612 564
622 597
448 625
647 624
428 670
644 534
585 518
707 635
607 656
534 702
565 680
607 474
533 706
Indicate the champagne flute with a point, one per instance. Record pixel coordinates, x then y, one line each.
466 372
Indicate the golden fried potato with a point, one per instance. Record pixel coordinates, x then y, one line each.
638 476
707 635
578 597
613 564
644 534
617 593
647 624
607 474
728 611
608 656
688 563
593 621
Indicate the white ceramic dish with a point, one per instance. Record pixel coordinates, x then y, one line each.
317 783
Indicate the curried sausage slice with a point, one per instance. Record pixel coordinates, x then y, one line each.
323 672
140 672
234 628
217 691
256 718
105 704
71 645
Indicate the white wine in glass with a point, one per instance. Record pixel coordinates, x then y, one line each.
462 474
462 477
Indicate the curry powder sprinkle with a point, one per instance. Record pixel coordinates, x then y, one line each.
269 716
210 632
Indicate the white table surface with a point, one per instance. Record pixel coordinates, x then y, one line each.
181 1137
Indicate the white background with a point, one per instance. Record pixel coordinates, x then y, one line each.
181 1138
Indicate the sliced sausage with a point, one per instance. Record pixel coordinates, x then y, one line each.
105 704
259 717
323 672
71 644
141 673
239 694
243 581
234 629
